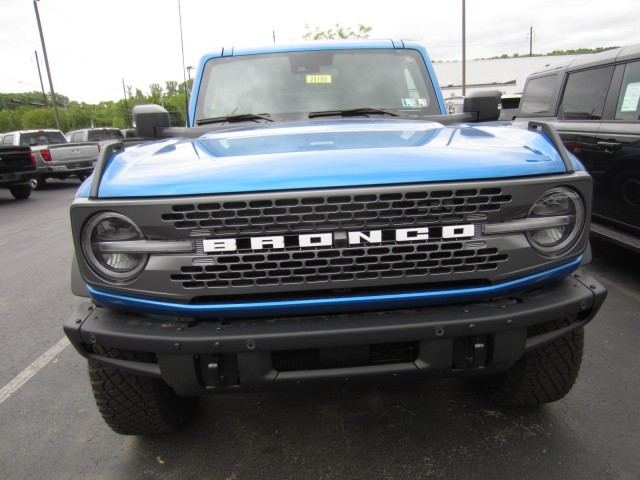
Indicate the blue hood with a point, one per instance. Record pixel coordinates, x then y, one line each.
325 155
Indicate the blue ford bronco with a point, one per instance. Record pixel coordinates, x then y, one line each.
322 219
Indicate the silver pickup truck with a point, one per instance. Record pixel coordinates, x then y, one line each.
55 157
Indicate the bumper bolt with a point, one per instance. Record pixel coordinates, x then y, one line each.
472 326
92 338
509 322
217 345
439 331
251 345
176 346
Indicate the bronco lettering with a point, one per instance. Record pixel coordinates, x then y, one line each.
329 239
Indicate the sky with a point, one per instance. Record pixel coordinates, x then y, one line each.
94 46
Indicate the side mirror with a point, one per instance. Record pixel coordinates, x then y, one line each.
148 118
484 104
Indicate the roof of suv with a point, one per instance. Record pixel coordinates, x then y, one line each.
631 52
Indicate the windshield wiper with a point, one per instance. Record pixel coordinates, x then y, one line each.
242 117
354 112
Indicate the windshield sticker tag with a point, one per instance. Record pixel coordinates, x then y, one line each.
415 102
318 78
631 96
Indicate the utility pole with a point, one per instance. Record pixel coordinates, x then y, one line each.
531 33
44 95
46 63
464 52
184 78
126 104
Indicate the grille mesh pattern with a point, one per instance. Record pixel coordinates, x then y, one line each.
331 266
315 214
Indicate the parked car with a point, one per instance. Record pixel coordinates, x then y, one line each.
55 157
594 104
94 134
322 219
17 168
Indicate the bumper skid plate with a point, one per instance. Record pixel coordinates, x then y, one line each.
196 357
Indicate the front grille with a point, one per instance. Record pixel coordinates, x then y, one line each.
334 266
333 243
324 268
413 208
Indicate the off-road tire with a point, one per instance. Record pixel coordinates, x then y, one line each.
137 405
20 192
543 375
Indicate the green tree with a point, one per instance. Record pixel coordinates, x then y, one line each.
340 32
156 93
78 115
42 118
171 88
10 120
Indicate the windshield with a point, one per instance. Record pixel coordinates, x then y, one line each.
97 135
302 82
41 138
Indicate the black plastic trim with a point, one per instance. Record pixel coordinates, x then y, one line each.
106 152
177 342
550 131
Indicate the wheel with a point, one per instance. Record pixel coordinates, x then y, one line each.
38 183
543 375
136 405
20 192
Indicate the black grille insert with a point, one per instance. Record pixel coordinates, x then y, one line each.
335 266
316 214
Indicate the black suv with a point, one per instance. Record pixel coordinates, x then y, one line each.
594 103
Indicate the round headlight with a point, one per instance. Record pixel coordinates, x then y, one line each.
563 207
104 230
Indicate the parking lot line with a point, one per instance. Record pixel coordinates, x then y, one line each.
24 376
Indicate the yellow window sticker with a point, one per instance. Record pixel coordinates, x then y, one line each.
318 78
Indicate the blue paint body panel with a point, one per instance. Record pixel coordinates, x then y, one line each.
326 154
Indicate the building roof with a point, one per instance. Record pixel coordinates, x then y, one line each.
505 74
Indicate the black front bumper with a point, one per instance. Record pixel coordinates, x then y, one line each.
196 357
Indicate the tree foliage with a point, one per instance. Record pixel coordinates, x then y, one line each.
576 51
27 110
340 32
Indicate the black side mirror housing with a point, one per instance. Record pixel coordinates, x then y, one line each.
147 119
484 104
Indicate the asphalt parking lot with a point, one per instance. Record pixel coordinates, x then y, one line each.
444 429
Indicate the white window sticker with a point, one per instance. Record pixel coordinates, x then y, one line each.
631 96
415 102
